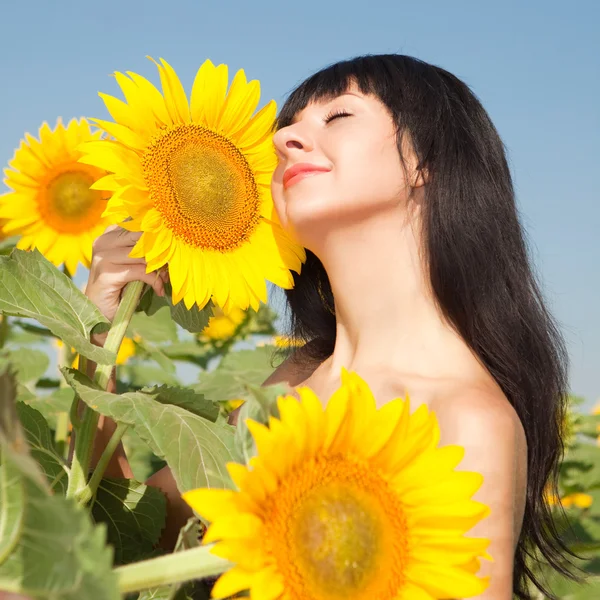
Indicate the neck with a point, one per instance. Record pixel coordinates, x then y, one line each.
386 314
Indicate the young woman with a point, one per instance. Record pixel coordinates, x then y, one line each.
393 177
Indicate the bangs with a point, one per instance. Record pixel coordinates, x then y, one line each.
371 74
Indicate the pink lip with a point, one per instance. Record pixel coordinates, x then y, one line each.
297 172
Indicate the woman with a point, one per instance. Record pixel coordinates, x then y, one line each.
393 177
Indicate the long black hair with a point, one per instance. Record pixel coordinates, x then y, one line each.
478 265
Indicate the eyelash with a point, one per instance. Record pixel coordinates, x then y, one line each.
335 114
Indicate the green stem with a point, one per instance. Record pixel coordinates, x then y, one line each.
84 439
177 567
61 433
3 329
62 422
87 493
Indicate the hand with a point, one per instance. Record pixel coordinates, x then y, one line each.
112 269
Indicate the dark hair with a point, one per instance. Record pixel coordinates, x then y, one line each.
478 265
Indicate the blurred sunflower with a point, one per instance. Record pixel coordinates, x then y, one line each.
222 326
126 351
347 502
51 204
194 177
578 499
282 341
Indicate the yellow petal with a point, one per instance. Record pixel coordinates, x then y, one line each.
211 504
173 92
258 130
236 526
153 97
208 93
242 100
231 582
446 582
267 584
123 134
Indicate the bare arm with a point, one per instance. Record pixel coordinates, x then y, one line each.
495 446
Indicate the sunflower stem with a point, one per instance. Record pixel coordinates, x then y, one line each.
84 439
3 329
88 492
177 567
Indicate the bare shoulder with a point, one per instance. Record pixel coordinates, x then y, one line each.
294 369
483 421
479 415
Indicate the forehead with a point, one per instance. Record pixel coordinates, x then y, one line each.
322 88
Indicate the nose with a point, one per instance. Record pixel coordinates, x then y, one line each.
290 140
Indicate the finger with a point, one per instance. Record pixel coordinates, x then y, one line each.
137 272
115 238
119 256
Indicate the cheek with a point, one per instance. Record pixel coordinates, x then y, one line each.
370 171
278 200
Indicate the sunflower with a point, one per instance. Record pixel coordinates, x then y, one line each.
194 177
578 499
221 325
282 341
347 502
51 204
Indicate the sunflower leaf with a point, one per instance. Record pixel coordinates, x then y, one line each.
30 364
157 328
51 405
32 287
193 319
260 404
134 514
235 373
141 375
42 449
195 449
59 554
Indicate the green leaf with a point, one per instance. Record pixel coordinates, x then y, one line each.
59 555
150 350
588 425
41 444
51 405
235 372
30 364
195 449
193 319
157 328
142 375
8 244
31 286
261 404
190 351
142 460
12 509
134 514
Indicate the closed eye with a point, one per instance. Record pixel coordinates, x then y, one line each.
335 114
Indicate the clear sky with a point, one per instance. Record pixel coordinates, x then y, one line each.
535 65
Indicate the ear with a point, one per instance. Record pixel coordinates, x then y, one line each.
420 178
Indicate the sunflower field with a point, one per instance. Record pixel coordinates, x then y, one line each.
296 501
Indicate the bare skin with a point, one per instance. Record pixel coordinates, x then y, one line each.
364 211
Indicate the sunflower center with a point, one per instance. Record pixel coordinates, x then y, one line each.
67 203
203 186
338 531
70 194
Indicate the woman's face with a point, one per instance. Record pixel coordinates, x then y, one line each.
338 163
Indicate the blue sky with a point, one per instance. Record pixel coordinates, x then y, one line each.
535 65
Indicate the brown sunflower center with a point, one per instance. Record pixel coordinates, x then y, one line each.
338 531
203 186
67 203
